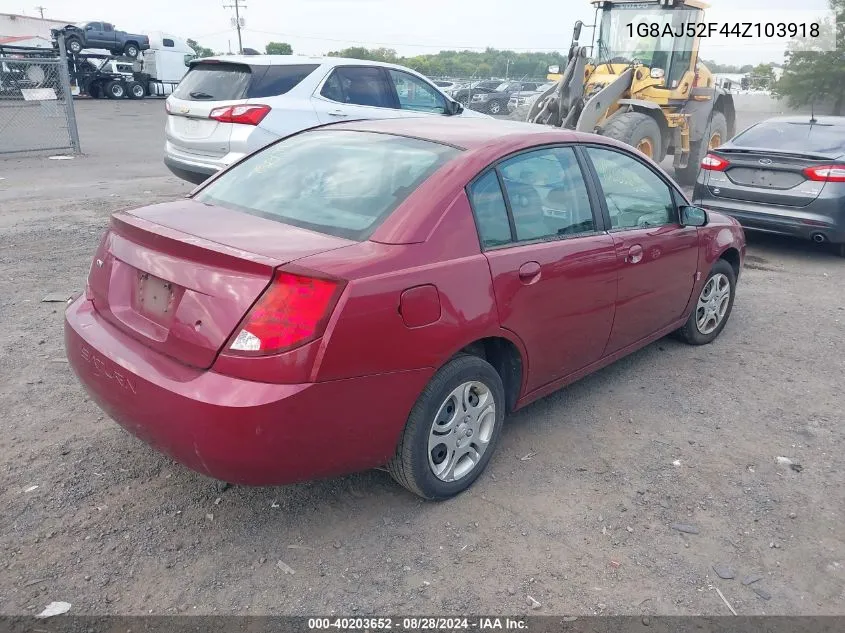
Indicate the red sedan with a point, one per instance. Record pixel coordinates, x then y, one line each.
385 292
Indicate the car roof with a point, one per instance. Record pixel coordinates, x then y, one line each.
291 60
465 133
805 118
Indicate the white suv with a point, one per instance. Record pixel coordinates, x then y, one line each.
227 107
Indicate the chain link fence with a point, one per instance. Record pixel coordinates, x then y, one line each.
36 104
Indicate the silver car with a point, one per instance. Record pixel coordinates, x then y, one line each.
227 107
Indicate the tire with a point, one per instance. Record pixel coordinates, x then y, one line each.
115 90
464 101
73 44
131 50
637 130
95 91
135 90
840 249
495 107
716 135
413 466
692 333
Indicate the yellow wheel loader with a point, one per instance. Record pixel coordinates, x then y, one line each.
642 84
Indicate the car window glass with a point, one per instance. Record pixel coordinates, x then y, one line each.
338 182
415 94
547 194
278 80
167 42
359 86
107 28
636 197
790 136
491 214
214 82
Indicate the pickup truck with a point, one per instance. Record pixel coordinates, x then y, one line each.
103 35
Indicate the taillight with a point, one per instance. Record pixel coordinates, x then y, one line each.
246 114
826 173
714 163
291 312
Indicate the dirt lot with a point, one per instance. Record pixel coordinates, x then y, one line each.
575 510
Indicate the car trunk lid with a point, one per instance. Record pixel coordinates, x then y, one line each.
766 176
180 276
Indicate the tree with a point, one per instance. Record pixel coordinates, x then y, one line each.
201 51
278 48
811 75
762 77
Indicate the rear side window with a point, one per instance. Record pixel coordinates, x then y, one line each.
360 86
227 82
491 214
338 182
168 42
278 80
799 137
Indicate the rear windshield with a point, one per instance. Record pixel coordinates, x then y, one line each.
339 182
214 81
807 138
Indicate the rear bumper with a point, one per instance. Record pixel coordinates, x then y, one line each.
195 172
800 222
236 430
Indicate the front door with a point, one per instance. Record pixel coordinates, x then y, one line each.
657 257
554 270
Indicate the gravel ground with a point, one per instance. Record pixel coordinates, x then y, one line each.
575 510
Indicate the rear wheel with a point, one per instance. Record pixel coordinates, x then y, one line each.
136 91
95 90
115 90
131 50
637 130
713 306
452 431
716 135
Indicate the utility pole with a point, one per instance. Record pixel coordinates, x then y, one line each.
237 6
507 68
40 9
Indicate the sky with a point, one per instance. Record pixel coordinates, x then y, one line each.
411 27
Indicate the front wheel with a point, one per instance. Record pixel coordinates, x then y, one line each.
452 430
713 306
74 45
637 130
495 107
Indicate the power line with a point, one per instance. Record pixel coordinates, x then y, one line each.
403 44
237 7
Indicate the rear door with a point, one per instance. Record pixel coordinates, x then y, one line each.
553 268
109 36
356 92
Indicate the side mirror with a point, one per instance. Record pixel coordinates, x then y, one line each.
693 216
453 107
576 33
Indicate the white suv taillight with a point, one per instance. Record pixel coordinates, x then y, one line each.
246 114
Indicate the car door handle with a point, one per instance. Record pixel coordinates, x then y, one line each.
635 254
338 113
529 273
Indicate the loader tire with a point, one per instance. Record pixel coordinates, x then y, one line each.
716 134
637 130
